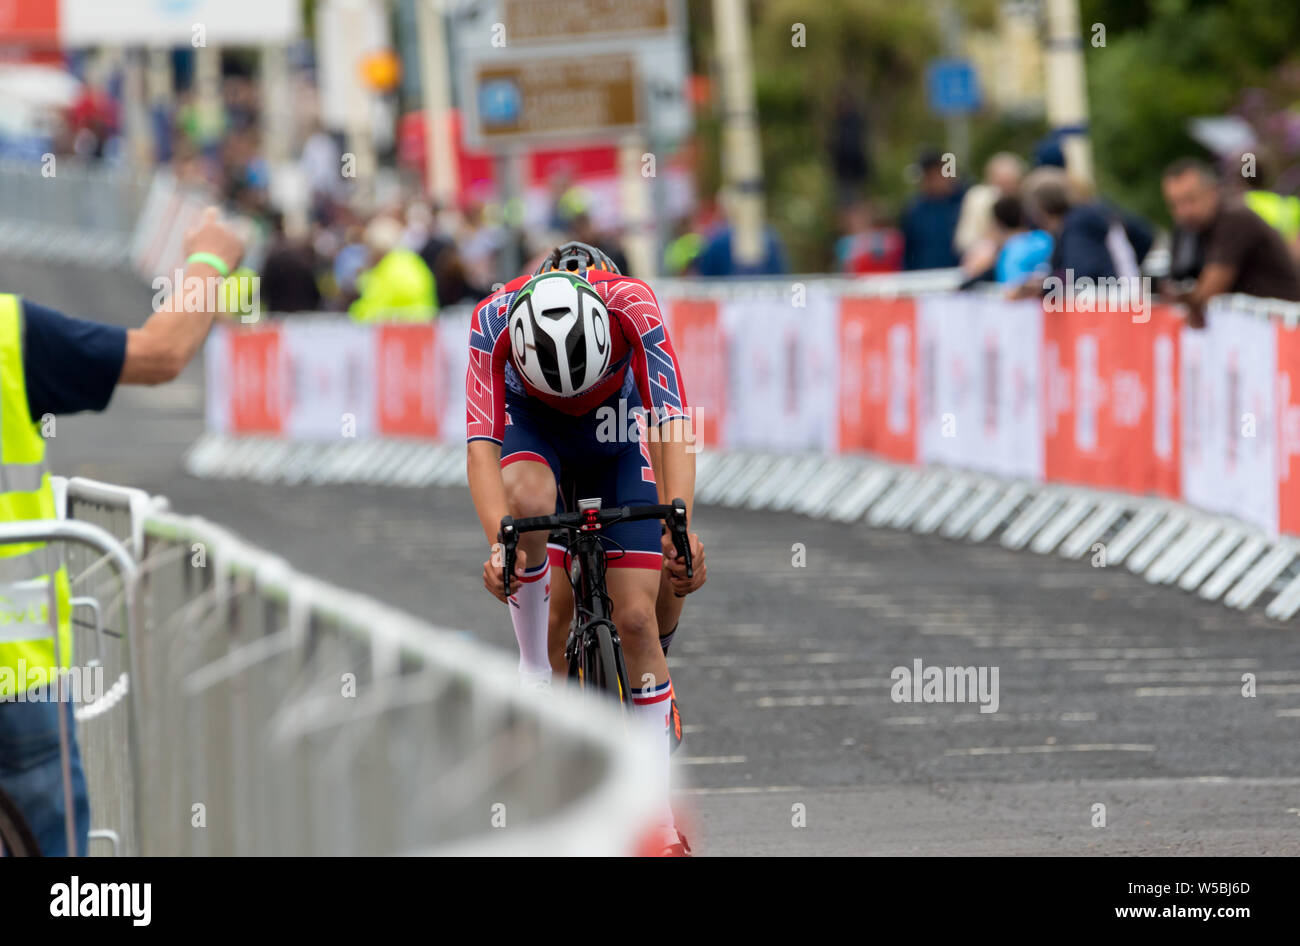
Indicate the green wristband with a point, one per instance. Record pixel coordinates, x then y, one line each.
210 259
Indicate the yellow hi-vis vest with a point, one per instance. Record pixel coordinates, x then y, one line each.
27 654
1280 212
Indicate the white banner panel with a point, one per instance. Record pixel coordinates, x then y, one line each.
216 375
331 379
980 378
782 392
453 361
948 409
178 22
1229 431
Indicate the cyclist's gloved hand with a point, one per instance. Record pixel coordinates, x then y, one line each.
676 567
492 580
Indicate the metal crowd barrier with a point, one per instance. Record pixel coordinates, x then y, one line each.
69 209
253 710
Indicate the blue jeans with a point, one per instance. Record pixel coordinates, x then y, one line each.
31 775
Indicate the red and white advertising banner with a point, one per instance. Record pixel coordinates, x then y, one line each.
331 389
408 376
246 376
1109 384
1288 428
978 381
1229 380
701 346
877 371
782 392
1107 399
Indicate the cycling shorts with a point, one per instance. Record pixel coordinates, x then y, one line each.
601 454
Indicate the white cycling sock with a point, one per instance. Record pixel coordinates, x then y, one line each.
530 608
652 705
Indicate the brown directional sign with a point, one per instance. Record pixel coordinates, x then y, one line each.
530 21
556 97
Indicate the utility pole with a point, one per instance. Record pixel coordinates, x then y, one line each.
742 160
952 25
1067 91
435 78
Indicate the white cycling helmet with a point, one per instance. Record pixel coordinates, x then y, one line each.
559 334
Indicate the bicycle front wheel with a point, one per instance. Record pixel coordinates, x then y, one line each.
607 670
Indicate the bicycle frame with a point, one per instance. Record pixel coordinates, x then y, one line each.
586 564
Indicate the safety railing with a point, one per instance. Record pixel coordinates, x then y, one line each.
275 714
64 209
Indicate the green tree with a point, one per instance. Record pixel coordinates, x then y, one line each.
1165 62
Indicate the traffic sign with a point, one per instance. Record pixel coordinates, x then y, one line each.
952 87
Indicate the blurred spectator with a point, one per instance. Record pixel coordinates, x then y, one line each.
398 286
585 231
1092 240
1025 252
865 248
1242 252
480 241
321 164
716 258
1186 255
974 239
1279 211
848 146
929 221
289 273
683 249
568 199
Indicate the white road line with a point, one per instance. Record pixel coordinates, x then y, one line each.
1198 676
1229 688
743 790
859 683
712 760
1034 750
774 702
994 718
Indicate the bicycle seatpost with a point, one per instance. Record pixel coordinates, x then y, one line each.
509 537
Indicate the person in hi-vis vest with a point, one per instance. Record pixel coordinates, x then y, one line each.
51 364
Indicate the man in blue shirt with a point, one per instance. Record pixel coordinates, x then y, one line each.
72 365
929 221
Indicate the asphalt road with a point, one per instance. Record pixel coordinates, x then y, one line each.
1111 692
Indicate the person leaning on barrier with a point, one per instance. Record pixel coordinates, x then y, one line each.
51 364
1242 253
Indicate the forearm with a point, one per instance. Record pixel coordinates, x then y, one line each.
486 487
170 337
676 469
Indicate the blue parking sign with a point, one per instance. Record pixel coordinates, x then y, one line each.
952 87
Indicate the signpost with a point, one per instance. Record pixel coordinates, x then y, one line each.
530 99
533 73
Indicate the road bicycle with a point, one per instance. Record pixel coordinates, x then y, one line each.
592 650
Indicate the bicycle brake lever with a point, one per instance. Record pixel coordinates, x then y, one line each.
681 535
508 536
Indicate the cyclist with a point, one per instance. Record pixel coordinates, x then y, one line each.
560 364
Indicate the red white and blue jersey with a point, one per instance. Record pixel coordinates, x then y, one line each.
642 354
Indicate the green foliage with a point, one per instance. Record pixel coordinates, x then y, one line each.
1165 62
